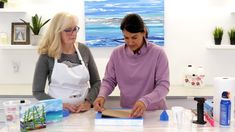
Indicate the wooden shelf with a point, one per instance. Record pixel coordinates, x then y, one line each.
220 47
23 47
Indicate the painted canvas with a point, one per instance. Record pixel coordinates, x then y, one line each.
103 19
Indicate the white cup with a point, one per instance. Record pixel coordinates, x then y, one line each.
178 116
12 114
3 38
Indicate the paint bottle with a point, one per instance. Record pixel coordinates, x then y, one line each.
200 77
225 109
188 75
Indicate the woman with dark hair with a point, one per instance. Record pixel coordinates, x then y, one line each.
139 68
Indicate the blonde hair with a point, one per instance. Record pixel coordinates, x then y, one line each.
51 41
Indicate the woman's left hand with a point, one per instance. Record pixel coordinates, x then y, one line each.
83 107
138 109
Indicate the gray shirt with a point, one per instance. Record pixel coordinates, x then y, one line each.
45 66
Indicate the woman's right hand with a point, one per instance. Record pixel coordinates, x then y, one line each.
72 108
99 104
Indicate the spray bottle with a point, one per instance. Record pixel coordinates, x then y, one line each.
225 109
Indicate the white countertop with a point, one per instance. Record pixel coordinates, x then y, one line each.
84 122
177 91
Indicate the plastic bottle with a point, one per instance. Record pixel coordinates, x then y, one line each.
200 77
188 76
225 109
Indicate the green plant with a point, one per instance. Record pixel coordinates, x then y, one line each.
3 1
218 32
37 24
231 33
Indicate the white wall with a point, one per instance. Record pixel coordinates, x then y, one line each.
188 30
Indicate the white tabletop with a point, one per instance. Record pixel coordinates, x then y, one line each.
84 122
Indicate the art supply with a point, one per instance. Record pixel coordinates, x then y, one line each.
54 110
210 120
3 38
164 116
223 84
66 112
200 77
188 75
194 77
178 115
12 113
32 117
200 110
117 117
225 109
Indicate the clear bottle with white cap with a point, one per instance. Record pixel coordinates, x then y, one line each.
188 75
200 79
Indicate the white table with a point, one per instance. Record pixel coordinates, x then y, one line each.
84 122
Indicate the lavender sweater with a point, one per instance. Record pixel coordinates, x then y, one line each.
143 76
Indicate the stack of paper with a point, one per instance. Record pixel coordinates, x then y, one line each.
119 117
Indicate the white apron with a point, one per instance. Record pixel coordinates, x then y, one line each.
69 83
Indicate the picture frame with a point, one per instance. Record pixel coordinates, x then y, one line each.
20 33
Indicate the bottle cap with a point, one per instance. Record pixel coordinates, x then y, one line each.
225 94
22 101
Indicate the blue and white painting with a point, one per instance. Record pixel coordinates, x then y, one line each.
103 18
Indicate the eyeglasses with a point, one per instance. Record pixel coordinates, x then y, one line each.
71 30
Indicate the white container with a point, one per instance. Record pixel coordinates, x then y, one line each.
188 75
12 113
194 77
178 116
3 38
200 77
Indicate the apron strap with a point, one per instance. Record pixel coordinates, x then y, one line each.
79 55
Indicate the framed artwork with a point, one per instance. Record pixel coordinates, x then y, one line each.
20 34
103 18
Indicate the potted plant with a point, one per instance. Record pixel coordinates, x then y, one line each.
218 34
231 34
36 25
2 3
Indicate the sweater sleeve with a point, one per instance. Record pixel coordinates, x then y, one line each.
40 76
161 82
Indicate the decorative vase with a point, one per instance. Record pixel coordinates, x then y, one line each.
1 5
232 41
35 39
217 41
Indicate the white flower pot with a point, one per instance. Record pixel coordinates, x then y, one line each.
35 39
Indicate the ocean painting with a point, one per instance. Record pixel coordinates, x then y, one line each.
103 19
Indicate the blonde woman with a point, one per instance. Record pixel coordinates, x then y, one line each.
69 66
